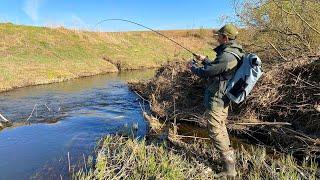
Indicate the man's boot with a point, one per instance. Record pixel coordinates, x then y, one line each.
229 166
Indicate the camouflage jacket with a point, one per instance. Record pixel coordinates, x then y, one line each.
218 72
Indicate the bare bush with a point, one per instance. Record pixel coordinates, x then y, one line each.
280 28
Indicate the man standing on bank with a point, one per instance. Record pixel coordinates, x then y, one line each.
218 72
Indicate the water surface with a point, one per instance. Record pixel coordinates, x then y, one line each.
65 117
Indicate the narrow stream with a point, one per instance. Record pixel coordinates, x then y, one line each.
68 117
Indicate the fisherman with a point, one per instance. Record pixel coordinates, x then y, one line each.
218 72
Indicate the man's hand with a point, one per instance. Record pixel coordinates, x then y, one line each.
190 64
200 57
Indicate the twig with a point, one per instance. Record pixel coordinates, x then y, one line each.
32 112
84 161
247 132
36 111
69 162
47 107
172 74
278 51
141 107
302 19
263 123
188 120
175 130
300 172
305 81
302 135
287 12
154 123
268 168
141 97
194 137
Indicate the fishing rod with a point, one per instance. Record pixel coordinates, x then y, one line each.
124 20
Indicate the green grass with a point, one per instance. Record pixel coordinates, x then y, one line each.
38 55
121 158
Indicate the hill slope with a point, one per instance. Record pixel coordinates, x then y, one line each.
38 55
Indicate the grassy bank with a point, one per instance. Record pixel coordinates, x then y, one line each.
37 55
122 158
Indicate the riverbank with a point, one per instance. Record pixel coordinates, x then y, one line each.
121 158
40 55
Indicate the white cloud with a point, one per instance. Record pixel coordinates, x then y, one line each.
31 8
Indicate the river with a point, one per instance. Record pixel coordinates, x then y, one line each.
58 119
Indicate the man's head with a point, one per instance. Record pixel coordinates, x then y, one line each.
226 33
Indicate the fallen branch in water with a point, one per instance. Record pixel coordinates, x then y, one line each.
4 119
35 106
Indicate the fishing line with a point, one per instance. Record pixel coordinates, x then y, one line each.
124 20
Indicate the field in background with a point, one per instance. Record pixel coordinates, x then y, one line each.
38 55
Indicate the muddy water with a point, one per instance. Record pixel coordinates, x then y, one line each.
64 118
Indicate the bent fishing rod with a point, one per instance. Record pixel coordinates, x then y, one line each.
125 20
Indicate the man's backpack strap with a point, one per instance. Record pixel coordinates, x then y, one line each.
239 58
236 55
228 76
